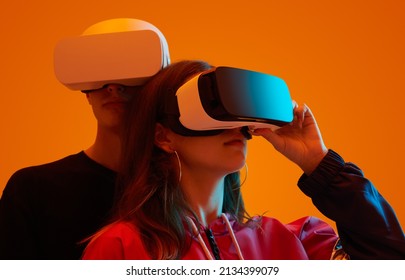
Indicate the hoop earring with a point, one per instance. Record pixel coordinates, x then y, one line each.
179 163
246 174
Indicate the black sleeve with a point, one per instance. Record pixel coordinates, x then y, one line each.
16 219
366 223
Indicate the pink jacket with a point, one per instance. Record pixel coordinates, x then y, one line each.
306 238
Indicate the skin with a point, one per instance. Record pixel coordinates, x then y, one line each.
205 161
109 106
301 142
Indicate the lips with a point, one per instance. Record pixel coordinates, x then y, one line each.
115 104
235 142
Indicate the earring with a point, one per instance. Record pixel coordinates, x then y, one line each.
179 163
246 174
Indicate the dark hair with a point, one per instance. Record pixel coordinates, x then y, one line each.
148 189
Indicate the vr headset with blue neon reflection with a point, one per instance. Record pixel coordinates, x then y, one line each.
226 98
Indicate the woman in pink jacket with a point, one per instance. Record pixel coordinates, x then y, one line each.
179 193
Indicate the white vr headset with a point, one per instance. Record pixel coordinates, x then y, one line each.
127 55
225 98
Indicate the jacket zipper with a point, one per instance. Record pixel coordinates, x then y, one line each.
213 244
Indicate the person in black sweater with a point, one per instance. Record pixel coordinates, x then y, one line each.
47 210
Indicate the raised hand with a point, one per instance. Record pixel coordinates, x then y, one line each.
300 141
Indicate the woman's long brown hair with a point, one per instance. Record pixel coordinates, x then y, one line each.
148 192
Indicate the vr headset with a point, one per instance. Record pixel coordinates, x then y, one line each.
92 61
225 98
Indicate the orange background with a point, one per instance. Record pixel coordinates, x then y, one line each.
345 59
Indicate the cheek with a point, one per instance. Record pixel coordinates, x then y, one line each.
96 98
93 99
194 149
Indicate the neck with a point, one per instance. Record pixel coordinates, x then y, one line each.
205 196
106 149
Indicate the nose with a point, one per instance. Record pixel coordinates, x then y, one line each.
116 89
245 132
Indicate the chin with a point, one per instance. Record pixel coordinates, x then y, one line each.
238 167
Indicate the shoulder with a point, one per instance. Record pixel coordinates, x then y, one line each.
71 163
302 228
35 175
72 170
35 170
317 237
120 241
119 230
310 223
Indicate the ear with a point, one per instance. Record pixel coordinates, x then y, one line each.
162 138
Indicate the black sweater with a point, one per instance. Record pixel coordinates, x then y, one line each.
46 210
